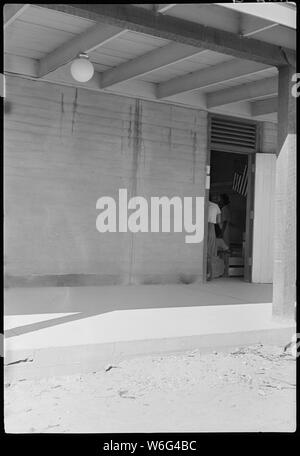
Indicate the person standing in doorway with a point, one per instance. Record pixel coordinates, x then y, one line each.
224 204
214 218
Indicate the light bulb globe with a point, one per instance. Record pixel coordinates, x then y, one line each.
82 70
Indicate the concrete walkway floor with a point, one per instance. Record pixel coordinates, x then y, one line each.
45 327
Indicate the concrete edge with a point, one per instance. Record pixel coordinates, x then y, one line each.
59 361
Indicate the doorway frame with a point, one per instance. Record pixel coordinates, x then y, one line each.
250 193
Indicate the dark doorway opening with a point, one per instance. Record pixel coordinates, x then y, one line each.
229 176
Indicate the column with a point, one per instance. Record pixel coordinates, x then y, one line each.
284 268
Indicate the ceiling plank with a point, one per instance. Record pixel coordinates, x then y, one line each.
270 32
273 12
243 92
215 74
164 7
263 107
251 25
209 15
156 7
12 11
175 29
87 41
153 60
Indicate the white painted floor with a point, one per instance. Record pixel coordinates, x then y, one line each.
68 330
54 317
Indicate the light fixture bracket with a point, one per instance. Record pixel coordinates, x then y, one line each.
82 55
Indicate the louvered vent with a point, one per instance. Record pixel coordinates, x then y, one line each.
230 134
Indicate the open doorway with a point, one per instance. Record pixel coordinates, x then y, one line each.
229 186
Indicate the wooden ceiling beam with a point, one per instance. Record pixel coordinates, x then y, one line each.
243 92
232 69
87 41
263 107
146 63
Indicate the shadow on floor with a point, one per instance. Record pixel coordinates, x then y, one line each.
84 302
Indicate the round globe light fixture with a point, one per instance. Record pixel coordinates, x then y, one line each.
82 69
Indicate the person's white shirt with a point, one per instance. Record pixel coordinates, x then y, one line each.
213 212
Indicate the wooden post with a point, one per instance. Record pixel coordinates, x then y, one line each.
284 278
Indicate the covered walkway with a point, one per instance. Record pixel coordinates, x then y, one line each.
141 121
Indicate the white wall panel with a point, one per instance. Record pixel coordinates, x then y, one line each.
262 269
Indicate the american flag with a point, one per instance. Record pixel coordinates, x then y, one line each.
240 181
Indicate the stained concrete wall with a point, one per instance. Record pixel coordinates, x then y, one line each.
65 148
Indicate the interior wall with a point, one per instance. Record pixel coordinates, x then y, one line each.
65 148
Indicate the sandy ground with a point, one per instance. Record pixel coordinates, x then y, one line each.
246 389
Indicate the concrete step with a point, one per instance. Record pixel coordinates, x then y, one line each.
89 343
